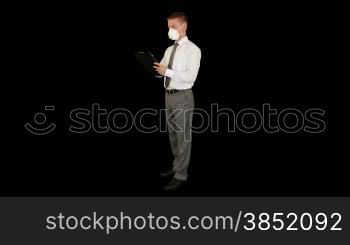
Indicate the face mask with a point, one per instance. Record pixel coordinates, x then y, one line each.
173 34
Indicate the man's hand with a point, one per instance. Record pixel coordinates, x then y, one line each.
160 68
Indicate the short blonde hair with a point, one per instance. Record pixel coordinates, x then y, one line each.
181 15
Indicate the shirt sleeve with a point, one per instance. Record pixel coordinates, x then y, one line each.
164 59
164 62
192 67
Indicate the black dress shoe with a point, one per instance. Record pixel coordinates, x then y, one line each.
174 184
167 173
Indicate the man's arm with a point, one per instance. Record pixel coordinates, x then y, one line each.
162 65
166 56
192 67
163 61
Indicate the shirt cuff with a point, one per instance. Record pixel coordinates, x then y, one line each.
169 73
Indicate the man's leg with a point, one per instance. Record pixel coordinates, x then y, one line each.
171 126
172 132
184 134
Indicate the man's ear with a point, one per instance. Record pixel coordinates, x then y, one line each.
184 27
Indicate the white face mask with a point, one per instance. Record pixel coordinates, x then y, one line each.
173 34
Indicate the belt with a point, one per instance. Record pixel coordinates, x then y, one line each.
172 91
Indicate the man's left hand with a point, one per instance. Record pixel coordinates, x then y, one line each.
160 68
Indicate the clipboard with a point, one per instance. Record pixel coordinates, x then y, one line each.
147 59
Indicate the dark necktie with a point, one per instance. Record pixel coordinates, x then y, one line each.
167 79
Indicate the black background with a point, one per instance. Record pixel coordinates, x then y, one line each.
72 55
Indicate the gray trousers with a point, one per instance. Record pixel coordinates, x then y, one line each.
179 107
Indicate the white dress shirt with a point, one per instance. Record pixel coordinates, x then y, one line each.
185 64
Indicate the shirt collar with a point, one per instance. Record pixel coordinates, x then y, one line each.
182 40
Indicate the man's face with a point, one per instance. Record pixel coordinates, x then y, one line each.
178 25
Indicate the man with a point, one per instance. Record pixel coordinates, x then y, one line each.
179 67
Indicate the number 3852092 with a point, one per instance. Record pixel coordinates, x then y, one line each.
292 221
